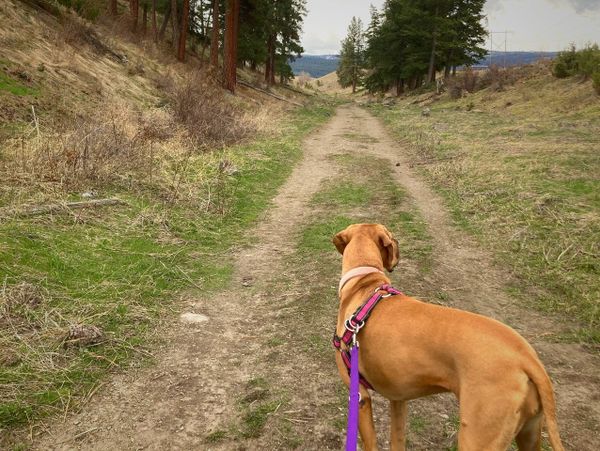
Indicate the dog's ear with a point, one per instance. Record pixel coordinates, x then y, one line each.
391 252
340 240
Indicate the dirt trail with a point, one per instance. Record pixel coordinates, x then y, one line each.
194 387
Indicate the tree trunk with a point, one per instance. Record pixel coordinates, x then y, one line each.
113 8
431 73
230 46
163 27
214 38
175 23
454 71
154 32
185 17
448 66
400 87
134 6
353 85
270 62
144 19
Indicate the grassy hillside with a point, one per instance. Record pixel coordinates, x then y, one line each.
82 292
520 169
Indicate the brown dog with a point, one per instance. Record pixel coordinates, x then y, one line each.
409 349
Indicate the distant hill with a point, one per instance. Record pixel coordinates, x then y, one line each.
319 65
515 58
315 65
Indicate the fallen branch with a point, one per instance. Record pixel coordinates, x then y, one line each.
283 99
45 209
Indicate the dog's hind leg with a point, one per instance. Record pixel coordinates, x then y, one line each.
398 414
489 418
365 422
530 436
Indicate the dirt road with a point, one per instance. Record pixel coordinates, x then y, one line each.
238 381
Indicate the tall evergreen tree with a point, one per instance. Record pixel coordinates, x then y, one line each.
352 56
411 40
283 27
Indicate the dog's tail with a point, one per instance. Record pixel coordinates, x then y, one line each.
540 378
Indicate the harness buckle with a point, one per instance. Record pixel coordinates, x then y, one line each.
353 328
354 341
383 296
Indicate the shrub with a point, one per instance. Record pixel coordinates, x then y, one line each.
469 80
584 62
199 103
497 78
596 82
588 60
565 63
455 89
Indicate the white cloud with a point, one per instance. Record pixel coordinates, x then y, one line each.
582 6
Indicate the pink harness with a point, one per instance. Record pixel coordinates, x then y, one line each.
357 321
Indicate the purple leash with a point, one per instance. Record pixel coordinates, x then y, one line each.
353 403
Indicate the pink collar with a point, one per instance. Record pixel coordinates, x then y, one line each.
357 272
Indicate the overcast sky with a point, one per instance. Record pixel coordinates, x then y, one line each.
542 25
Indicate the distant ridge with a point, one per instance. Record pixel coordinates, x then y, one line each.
315 65
515 58
319 65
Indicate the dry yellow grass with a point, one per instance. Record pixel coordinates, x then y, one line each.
520 168
329 85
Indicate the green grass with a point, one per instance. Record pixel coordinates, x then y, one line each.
524 181
256 417
121 270
216 436
12 86
345 193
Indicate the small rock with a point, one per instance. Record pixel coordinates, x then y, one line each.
82 335
397 164
228 168
193 318
89 194
426 112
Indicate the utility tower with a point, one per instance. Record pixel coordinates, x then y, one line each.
498 43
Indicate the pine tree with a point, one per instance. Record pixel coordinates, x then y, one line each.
283 27
352 55
410 40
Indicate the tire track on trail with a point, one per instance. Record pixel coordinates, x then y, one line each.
461 266
199 375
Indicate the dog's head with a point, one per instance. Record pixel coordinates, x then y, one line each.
379 234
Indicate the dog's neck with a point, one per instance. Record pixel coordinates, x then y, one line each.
361 258
356 272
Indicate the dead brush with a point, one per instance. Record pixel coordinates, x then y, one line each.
497 78
17 300
199 103
113 146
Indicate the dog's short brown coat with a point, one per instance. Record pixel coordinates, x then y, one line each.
409 349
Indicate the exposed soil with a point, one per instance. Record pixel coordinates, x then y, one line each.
204 369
